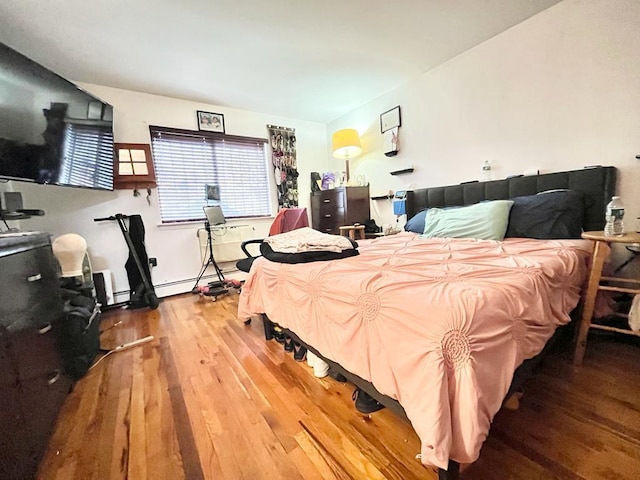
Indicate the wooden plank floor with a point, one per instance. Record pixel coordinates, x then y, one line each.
210 399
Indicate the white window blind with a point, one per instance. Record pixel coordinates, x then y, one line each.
187 161
87 156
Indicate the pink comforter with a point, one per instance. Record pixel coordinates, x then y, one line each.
440 324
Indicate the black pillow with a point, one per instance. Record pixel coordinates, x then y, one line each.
547 215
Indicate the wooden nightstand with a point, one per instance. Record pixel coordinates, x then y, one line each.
595 277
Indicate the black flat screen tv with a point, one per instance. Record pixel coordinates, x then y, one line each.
51 131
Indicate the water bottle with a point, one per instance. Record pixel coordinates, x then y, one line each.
486 171
614 218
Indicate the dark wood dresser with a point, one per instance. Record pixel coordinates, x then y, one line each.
32 383
330 209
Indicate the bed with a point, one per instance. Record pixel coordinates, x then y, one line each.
436 328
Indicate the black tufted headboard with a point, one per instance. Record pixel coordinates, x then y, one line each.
597 184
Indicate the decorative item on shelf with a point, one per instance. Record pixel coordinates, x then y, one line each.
285 163
210 122
346 145
133 167
389 127
391 142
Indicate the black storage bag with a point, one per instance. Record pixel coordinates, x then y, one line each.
79 334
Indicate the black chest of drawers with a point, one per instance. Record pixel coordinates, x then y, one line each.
32 383
330 209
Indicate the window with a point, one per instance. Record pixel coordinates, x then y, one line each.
87 156
187 161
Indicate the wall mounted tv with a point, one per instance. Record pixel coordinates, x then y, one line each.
51 131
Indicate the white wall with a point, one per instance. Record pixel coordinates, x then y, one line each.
176 247
557 92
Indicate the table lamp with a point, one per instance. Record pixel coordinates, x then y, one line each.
345 145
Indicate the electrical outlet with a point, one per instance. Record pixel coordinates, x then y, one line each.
153 261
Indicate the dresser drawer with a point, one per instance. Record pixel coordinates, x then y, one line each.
331 198
35 351
8 376
16 461
330 221
28 288
40 403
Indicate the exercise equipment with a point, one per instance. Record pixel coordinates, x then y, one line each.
142 291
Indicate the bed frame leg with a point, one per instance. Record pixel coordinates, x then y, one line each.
452 473
268 327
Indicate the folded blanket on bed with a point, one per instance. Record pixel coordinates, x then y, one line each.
308 240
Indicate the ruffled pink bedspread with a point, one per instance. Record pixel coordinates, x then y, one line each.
440 324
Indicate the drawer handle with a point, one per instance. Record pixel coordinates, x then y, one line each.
328 215
53 377
44 329
327 201
34 278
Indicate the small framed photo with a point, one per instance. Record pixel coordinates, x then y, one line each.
210 122
390 119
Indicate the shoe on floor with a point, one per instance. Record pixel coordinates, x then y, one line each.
278 334
299 352
365 403
311 358
288 344
320 368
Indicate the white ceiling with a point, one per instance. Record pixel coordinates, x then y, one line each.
308 59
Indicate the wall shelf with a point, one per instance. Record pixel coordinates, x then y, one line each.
382 197
400 172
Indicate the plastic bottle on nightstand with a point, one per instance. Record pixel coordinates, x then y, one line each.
614 218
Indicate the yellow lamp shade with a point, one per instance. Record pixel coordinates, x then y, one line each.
346 143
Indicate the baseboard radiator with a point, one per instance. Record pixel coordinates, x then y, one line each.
225 241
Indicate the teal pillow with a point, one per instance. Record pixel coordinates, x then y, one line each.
484 221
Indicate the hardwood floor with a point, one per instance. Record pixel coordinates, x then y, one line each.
209 398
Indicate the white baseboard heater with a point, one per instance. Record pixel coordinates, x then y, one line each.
226 242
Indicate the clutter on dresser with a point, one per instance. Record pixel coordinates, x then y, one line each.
13 209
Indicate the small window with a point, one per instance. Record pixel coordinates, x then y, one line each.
188 163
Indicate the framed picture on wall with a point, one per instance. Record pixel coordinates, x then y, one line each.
210 122
390 119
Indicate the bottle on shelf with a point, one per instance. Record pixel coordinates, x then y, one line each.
614 218
486 171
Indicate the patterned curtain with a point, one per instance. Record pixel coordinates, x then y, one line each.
285 164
